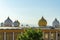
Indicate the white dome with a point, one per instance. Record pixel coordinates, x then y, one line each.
55 23
8 22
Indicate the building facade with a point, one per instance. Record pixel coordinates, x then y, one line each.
9 30
9 34
50 32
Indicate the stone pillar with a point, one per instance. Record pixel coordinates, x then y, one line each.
13 35
43 35
4 35
49 35
56 35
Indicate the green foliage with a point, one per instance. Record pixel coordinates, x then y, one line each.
30 34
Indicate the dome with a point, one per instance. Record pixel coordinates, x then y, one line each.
42 22
2 24
55 23
8 22
16 23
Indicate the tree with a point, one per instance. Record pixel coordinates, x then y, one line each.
30 34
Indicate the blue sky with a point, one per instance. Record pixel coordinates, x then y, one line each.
30 11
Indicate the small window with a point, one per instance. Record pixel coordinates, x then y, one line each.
51 39
58 35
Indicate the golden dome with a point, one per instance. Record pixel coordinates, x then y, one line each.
42 22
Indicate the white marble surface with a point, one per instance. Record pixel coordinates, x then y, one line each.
10 27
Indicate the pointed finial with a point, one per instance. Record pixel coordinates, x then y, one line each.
8 17
42 17
56 19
